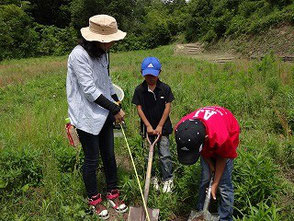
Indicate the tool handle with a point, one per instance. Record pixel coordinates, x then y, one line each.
148 174
208 194
154 142
149 166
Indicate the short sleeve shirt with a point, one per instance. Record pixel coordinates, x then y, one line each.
153 104
222 130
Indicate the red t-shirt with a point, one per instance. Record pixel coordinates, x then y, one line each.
222 129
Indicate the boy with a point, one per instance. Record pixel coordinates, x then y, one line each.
153 100
213 133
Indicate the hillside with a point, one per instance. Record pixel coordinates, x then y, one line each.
278 40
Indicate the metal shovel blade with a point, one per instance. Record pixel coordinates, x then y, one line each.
202 216
138 214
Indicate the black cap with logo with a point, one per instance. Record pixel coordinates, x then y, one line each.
190 136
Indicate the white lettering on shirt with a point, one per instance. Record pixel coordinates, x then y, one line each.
207 114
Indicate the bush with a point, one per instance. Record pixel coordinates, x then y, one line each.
155 30
263 212
17 39
54 41
254 179
131 42
19 169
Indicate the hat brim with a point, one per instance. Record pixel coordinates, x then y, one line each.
188 157
150 71
92 36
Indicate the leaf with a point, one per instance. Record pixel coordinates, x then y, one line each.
25 188
3 184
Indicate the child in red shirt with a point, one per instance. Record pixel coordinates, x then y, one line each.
212 133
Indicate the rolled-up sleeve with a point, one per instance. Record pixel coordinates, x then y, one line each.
84 72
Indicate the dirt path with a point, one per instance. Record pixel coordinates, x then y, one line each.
196 50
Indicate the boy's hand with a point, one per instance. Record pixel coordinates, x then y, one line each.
158 130
150 130
213 190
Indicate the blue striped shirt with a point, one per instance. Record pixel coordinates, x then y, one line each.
87 79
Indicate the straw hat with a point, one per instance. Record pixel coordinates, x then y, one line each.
102 28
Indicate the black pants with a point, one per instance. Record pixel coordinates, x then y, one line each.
92 145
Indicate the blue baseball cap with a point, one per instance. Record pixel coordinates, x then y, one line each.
151 65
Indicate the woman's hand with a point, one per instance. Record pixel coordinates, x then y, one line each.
119 117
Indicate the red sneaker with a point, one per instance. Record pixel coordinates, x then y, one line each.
113 199
97 206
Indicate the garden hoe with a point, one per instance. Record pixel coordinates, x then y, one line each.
139 213
204 214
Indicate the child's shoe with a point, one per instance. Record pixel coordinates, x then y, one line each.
167 186
97 206
115 202
154 182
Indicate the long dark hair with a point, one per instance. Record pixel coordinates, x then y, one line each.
91 47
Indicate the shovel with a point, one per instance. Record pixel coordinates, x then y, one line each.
138 213
204 214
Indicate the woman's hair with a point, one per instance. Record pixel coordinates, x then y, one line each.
91 47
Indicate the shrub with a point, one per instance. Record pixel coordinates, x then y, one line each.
19 169
155 30
263 212
254 179
17 39
54 41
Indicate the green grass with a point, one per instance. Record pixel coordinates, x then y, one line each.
37 177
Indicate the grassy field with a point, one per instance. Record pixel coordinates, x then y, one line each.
37 176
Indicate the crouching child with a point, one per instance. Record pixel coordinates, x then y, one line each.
211 133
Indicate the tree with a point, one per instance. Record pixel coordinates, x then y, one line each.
199 21
17 38
51 12
82 10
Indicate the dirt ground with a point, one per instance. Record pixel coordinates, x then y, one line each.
278 40
197 51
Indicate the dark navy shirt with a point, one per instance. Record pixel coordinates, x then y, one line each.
153 104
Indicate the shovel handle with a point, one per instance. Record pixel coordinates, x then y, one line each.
154 142
208 195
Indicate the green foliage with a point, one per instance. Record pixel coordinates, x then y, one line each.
263 212
36 28
254 179
17 39
54 41
199 21
20 169
212 19
156 30
82 10
51 12
33 112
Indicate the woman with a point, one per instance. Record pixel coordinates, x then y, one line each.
93 108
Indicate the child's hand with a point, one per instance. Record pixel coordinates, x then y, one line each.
158 130
213 190
150 130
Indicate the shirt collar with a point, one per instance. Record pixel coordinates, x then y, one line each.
158 85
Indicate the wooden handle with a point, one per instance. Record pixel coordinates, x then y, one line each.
149 167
